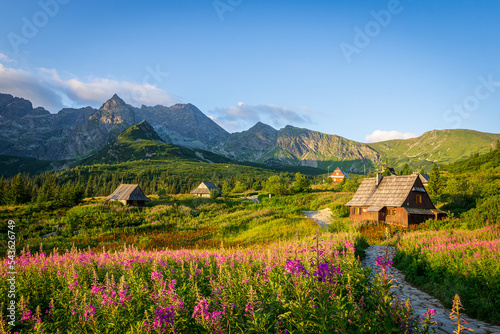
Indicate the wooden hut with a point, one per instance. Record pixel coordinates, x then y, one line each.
203 190
129 194
338 175
400 200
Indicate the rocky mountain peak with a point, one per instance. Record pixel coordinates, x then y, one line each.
115 111
259 127
14 107
113 103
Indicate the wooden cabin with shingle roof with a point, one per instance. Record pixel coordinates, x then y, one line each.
203 190
129 194
399 200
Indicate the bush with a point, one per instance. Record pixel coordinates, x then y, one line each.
338 225
276 185
349 185
487 212
340 211
214 193
301 185
239 187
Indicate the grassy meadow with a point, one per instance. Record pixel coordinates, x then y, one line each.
177 222
185 264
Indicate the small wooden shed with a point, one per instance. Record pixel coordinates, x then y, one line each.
203 190
400 200
129 194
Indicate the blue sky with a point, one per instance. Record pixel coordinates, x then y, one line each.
365 70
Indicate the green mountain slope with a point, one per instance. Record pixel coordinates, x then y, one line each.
292 146
437 146
477 163
140 141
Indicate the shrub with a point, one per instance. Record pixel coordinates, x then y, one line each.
214 193
301 184
277 185
487 212
340 211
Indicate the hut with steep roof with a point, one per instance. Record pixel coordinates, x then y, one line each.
203 190
129 194
338 175
400 200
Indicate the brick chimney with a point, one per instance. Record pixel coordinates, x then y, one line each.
378 178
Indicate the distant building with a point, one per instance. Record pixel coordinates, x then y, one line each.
400 200
129 194
338 175
203 190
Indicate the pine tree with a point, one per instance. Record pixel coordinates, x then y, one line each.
89 189
17 192
406 170
435 181
3 188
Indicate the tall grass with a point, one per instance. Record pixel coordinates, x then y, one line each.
450 262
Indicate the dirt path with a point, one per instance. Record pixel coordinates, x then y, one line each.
322 217
420 300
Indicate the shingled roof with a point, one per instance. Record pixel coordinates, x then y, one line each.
128 192
204 188
391 191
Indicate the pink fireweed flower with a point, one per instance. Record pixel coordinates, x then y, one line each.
249 308
383 263
89 312
96 290
201 313
27 315
74 282
326 272
295 267
164 319
430 312
49 311
156 276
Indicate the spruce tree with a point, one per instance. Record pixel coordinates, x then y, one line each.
435 181
89 189
17 193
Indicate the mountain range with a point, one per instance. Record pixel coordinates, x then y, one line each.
79 135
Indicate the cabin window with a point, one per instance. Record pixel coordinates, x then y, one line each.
419 199
391 212
357 211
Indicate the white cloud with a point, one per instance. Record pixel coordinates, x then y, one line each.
6 59
24 84
46 88
98 90
379 135
243 116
